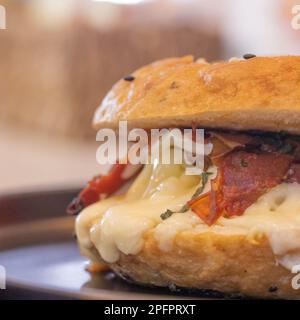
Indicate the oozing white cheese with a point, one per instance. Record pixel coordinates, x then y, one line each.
118 224
276 214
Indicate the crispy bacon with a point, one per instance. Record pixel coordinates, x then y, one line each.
219 149
246 176
208 206
242 178
248 166
223 143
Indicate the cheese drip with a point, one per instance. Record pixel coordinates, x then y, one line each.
118 224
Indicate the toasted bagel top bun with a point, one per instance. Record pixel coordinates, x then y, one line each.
262 93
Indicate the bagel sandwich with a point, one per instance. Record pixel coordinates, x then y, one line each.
234 228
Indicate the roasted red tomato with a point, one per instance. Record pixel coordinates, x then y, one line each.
101 187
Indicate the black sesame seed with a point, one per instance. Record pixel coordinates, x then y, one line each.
129 78
249 56
273 289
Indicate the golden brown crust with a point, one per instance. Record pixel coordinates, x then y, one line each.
261 93
231 264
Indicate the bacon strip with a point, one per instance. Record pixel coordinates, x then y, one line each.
246 176
242 178
208 206
248 166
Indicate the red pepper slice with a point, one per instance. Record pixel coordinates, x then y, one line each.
99 188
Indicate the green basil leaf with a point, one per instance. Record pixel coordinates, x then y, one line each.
185 208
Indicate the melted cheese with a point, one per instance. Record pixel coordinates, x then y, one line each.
119 223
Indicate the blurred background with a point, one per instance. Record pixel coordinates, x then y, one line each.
58 58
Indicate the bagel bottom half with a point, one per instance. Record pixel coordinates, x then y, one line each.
231 264
251 254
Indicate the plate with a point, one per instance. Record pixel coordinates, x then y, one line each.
42 260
